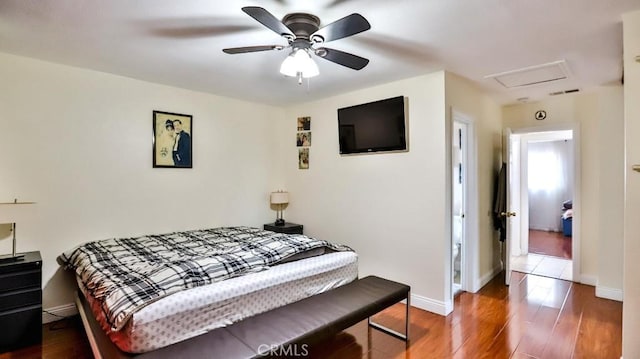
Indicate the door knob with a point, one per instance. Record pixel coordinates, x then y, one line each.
508 214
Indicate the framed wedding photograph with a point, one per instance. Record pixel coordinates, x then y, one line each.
303 139
172 136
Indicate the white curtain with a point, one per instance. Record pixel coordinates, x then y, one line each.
549 181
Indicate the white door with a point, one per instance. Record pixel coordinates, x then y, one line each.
508 213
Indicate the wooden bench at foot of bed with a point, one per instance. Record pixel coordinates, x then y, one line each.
281 330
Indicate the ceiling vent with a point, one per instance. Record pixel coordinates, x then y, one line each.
556 93
533 75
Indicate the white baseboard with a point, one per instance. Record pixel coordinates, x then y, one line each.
486 278
609 293
430 305
588 279
444 308
56 313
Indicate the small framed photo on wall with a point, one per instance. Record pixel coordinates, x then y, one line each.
303 139
172 140
303 158
304 123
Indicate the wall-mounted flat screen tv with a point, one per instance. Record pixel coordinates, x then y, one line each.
373 127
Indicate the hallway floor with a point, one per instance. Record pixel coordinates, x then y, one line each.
546 266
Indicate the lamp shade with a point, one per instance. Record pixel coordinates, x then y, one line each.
288 67
279 197
12 212
299 62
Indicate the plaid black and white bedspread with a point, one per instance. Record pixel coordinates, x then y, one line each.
126 274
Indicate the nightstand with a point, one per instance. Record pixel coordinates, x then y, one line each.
21 302
288 228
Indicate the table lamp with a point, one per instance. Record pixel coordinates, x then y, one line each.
280 199
12 212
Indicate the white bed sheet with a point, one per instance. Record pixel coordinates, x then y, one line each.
195 311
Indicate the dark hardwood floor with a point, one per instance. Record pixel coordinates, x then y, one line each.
535 317
61 339
550 244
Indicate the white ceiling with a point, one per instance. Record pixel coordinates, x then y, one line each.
180 42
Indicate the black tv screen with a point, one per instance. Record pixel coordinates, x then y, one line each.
373 127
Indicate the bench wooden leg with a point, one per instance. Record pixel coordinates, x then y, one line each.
392 332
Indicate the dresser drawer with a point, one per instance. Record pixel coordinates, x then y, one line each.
20 298
20 280
21 302
20 327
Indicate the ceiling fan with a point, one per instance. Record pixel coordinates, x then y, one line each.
302 32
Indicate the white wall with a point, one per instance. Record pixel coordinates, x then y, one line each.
78 142
389 207
463 96
631 308
592 111
611 193
394 208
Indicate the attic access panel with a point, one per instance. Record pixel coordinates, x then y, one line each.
532 75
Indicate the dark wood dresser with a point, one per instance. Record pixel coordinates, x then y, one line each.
21 302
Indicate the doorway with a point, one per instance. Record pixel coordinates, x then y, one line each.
459 204
544 166
463 239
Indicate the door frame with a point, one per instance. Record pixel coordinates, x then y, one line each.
577 193
469 251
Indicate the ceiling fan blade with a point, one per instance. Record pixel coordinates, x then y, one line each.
342 58
347 26
265 18
246 49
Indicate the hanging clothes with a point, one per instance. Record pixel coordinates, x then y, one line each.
500 203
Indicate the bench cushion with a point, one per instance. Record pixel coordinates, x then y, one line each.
217 344
320 316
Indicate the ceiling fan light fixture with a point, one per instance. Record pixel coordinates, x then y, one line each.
299 63
303 32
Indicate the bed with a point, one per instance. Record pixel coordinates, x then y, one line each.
206 279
